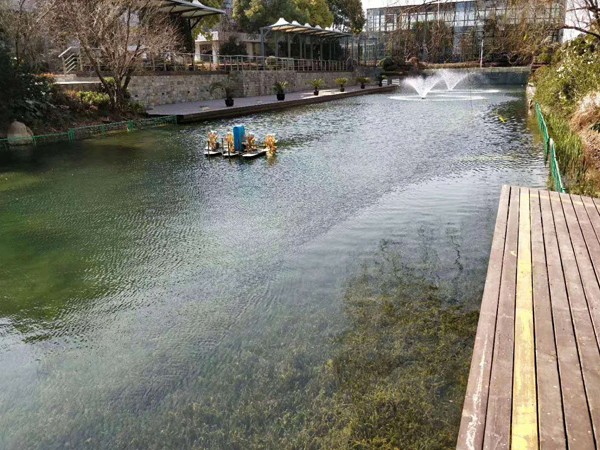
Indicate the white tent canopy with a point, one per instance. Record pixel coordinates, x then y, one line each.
192 9
283 26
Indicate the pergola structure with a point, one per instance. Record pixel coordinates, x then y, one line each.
192 10
309 37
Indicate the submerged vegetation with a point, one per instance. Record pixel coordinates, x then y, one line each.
395 379
563 89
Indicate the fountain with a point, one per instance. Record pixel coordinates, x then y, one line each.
452 77
423 85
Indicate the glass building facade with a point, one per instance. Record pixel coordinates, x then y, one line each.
462 17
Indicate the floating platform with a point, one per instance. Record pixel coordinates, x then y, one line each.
216 109
535 374
256 154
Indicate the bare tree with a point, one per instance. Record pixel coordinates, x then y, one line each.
114 36
22 30
584 16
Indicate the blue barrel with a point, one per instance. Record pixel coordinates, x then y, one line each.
239 133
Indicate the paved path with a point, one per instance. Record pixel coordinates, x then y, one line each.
216 109
535 373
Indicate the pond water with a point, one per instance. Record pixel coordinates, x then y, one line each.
151 298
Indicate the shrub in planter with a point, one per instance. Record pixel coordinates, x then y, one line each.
341 82
228 89
317 84
279 88
362 81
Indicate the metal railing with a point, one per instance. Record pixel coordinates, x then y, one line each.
75 134
73 61
550 151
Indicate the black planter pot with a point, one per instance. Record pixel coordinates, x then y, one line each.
342 89
316 92
281 96
229 101
362 85
380 83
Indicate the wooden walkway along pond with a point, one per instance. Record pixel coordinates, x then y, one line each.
535 373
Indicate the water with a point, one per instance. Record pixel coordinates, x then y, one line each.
452 78
152 298
422 85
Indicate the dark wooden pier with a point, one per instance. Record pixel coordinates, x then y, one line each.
535 374
216 109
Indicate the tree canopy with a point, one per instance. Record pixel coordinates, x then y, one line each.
251 15
348 14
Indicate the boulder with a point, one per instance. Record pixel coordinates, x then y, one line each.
19 134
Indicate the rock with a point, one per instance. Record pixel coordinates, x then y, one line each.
19 134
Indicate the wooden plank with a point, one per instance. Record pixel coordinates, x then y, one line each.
582 304
589 221
592 214
550 410
564 291
524 406
472 424
498 417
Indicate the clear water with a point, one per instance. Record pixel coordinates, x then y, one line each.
139 279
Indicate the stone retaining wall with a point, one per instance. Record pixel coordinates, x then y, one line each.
257 83
155 90
152 90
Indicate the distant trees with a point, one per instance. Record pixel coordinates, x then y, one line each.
22 29
512 32
251 15
348 15
232 47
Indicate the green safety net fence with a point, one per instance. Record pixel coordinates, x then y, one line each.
74 134
550 151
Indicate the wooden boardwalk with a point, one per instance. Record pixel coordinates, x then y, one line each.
535 372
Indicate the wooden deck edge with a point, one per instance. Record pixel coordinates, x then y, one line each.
472 425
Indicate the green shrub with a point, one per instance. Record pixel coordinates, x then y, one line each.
317 83
24 95
574 73
560 87
100 100
388 64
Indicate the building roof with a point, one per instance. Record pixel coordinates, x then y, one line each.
283 26
190 9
